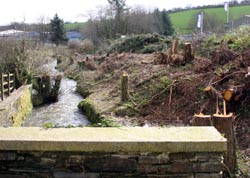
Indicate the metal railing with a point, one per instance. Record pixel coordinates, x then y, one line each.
7 84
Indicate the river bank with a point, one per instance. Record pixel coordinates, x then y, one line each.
62 113
159 95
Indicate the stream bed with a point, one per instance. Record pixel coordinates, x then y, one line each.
63 113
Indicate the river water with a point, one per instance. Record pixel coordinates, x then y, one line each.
63 113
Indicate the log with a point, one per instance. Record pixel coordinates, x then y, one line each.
228 94
124 87
212 92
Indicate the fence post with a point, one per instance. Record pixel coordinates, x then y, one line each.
124 87
8 83
2 87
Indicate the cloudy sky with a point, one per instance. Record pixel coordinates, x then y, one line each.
29 11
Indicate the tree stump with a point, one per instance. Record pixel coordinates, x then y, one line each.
224 124
175 46
55 90
124 86
202 120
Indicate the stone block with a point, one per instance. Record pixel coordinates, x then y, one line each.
176 168
208 167
183 157
75 175
7 156
76 159
154 159
110 165
11 176
209 157
147 169
202 175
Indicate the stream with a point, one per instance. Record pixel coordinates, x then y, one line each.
63 113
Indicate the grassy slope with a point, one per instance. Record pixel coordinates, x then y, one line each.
182 19
73 26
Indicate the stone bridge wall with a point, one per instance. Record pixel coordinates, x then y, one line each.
14 108
193 152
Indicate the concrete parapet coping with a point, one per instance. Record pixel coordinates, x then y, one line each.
154 140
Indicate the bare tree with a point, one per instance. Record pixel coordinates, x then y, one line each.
120 8
42 28
140 21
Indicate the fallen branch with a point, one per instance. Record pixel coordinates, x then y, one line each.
234 73
163 91
170 98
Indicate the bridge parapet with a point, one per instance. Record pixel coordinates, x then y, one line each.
191 152
14 108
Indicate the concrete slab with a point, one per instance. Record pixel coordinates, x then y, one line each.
173 139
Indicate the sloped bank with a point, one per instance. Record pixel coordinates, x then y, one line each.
96 113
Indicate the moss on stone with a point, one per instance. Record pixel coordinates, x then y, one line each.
95 116
84 91
90 111
24 107
37 100
126 110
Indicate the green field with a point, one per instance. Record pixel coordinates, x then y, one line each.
73 26
181 20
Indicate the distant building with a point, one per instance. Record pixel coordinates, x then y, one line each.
18 34
74 35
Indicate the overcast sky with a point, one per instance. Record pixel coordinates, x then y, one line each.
29 11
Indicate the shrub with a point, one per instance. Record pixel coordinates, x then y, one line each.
144 43
86 46
74 45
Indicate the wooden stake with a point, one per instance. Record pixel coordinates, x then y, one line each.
2 87
188 52
170 98
8 80
224 107
217 105
124 87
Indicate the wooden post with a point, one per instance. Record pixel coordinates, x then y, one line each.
124 86
8 80
2 87
14 82
188 52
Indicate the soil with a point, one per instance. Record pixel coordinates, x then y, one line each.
167 94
